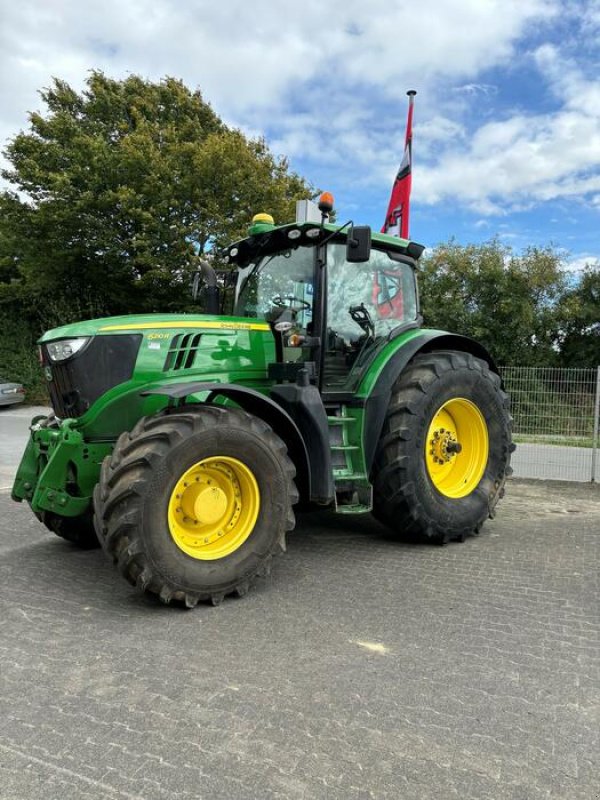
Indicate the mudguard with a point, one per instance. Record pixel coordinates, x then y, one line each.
261 406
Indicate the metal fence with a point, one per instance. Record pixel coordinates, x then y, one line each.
556 417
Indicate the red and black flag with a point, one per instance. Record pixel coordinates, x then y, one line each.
396 219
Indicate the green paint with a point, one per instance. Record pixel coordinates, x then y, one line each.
379 363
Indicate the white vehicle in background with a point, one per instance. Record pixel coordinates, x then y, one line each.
11 393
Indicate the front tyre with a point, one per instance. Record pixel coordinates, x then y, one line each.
193 505
444 452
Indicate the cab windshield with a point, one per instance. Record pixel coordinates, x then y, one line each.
275 282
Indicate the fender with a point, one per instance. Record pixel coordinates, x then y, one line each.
377 402
260 406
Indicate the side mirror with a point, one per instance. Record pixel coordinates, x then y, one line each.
358 245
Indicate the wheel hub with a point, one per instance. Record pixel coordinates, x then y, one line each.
456 449
443 446
210 505
213 508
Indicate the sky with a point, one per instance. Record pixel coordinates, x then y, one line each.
506 138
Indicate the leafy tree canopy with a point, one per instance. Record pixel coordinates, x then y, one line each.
506 301
579 315
119 188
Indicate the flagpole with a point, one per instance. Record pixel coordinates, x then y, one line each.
411 102
404 234
397 216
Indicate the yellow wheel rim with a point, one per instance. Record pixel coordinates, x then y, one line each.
457 447
213 508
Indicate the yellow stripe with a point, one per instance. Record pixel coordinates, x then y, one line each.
237 326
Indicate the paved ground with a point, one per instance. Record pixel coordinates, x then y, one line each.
554 462
362 669
14 428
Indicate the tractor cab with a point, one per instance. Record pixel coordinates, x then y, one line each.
333 295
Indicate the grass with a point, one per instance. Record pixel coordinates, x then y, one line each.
564 441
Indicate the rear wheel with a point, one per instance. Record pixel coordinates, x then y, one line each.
444 452
193 505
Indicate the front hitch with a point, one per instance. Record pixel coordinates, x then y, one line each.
59 469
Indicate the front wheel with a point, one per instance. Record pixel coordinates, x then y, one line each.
444 451
193 505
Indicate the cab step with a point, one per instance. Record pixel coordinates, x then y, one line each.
353 492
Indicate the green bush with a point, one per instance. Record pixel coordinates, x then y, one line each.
19 357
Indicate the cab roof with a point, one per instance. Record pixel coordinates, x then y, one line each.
265 237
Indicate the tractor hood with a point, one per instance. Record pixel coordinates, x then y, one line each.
105 364
148 322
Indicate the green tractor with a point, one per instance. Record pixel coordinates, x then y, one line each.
182 442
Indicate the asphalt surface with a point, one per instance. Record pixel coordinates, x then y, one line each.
14 430
362 668
554 462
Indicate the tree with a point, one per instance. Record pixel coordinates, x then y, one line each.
119 189
506 301
579 313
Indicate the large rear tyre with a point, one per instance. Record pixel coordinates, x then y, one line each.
444 452
77 530
193 505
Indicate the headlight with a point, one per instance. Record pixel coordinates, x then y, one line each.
65 348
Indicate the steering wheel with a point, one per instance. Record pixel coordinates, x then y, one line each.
290 301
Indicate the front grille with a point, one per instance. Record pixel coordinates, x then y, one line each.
106 361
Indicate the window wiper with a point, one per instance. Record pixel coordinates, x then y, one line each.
360 314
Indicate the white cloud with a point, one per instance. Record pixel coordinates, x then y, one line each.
472 89
254 56
580 262
527 157
591 15
317 77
